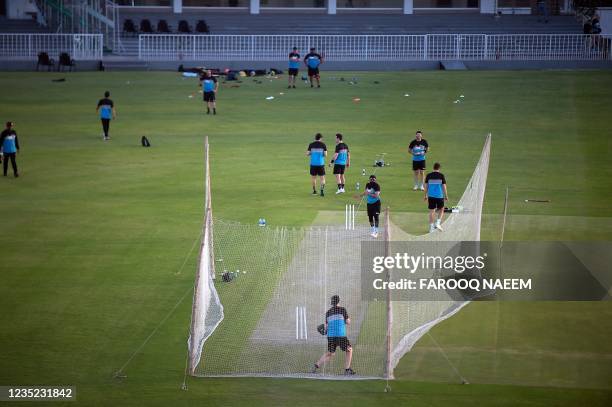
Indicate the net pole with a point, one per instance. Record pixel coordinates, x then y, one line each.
503 230
389 373
208 208
205 236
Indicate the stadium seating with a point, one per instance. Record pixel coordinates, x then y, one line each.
129 28
183 27
146 27
163 27
301 23
202 27
65 61
44 60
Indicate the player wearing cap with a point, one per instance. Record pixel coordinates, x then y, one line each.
312 61
336 321
9 143
435 195
294 67
372 194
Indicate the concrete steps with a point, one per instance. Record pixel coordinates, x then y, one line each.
114 63
21 26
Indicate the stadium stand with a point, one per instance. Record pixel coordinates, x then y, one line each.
21 26
304 23
301 23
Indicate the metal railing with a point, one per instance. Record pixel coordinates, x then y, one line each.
83 17
28 46
372 48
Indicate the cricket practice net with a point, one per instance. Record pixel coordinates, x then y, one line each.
277 282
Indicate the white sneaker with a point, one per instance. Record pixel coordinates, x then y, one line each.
431 228
439 227
422 188
415 187
374 234
338 191
341 190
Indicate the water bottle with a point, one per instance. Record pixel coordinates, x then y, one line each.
262 222
357 186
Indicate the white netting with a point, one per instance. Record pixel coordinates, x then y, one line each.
412 319
282 281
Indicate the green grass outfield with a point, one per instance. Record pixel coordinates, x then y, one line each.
97 238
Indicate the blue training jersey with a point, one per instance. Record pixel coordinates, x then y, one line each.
294 60
336 322
418 148
434 181
106 108
372 187
208 84
313 60
342 150
317 153
9 142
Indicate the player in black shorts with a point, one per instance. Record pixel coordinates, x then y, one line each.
435 195
317 150
294 66
418 148
336 322
341 161
372 194
210 86
312 61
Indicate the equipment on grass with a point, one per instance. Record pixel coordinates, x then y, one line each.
321 329
145 141
300 269
380 160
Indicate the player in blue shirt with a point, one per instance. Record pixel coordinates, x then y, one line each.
372 194
9 143
294 67
336 322
317 150
312 61
341 161
418 148
106 109
435 195
209 89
